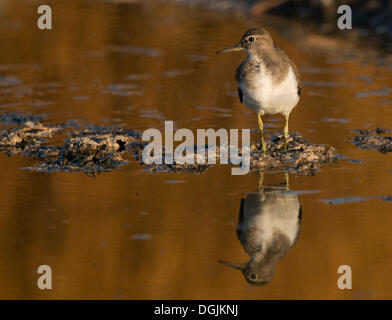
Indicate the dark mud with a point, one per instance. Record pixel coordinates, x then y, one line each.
301 157
25 138
138 147
92 149
379 139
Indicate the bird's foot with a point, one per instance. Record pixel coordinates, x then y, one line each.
263 147
286 142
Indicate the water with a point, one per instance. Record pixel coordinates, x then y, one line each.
134 234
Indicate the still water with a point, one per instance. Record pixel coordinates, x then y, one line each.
132 234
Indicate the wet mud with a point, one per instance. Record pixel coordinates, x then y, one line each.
301 156
25 138
91 150
379 139
95 149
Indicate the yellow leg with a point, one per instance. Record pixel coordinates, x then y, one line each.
261 177
261 127
286 132
286 176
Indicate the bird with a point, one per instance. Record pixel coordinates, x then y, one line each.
268 81
268 227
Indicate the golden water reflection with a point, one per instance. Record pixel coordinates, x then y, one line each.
268 226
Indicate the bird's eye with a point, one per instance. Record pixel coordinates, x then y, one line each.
251 39
253 277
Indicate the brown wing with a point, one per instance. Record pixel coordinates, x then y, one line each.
293 66
238 79
240 95
240 233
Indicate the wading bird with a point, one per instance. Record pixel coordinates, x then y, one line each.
267 80
268 227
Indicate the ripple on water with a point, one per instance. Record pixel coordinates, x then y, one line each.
151 114
176 73
175 181
216 109
315 70
122 89
11 118
141 236
343 200
80 98
325 84
9 81
135 50
134 77
374 93
335 120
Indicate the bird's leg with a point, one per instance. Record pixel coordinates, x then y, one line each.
261 127
286 132
261 177
286 176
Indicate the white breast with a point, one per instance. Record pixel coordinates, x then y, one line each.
266 214
267 97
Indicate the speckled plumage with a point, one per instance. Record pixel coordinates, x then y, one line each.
246 70
268 81
267 66
268 227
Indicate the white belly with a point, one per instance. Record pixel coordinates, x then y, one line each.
268 213
267 97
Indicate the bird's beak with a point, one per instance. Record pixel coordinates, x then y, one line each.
236 47
238 266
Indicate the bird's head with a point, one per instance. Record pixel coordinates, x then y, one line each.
255 272
253 40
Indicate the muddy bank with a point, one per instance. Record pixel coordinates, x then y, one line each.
26 138
301 156
91 150
94 149
379 139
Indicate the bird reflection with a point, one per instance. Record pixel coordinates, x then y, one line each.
268 227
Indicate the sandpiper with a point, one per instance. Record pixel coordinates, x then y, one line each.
267 80
268 227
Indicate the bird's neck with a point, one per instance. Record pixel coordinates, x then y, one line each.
262 54
268 59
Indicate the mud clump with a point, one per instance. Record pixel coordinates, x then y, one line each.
114 139
300 157
374 139
24 138
138 147
76 158
91 150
